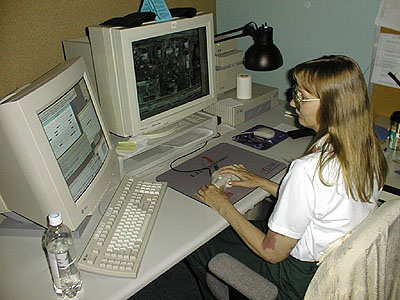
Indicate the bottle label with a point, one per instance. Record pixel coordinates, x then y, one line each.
59 261
54 270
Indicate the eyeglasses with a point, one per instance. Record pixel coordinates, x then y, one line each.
298 98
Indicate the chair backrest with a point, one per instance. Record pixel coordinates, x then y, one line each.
366 264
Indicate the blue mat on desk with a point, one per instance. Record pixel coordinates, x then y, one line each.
189 182
247 138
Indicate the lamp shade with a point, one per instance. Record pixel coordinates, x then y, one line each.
263 58
263 55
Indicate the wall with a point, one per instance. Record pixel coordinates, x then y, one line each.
305 29
31 32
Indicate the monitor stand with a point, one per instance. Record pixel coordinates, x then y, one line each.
162 132
159 151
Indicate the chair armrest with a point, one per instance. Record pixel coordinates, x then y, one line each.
242 278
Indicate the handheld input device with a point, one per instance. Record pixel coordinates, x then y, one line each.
223 179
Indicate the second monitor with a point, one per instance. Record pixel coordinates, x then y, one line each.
152 76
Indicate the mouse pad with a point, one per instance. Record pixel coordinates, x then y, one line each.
247 138
193 178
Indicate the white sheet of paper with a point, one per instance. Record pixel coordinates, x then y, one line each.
389 14
387 60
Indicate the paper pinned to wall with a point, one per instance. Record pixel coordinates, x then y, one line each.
389 14
387 60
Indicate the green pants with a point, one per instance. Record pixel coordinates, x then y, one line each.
291 276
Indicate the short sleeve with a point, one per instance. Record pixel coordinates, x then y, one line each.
294 209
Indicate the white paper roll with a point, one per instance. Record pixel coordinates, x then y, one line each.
243 86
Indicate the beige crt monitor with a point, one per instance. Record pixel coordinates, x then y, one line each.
151 76
55 151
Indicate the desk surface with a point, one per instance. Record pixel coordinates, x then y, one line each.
181 227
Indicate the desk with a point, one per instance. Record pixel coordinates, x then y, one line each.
181 227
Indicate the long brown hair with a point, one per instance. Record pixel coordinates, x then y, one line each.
346 119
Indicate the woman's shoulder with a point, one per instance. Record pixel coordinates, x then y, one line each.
304 166
309 165
307 160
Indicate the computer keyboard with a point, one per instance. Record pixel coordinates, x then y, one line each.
117 245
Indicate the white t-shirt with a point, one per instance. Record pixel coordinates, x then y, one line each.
314 213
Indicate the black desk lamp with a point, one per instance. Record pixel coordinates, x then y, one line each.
263 55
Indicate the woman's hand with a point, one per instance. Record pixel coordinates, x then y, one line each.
214 197
249 179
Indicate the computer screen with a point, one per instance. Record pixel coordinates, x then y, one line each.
170 70
152 76
55 152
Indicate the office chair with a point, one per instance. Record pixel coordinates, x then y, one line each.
364 264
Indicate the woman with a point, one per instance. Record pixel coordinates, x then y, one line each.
324 195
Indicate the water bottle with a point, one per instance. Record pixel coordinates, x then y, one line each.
394 134
61 257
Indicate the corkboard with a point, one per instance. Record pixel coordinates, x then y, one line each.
385 100
31 32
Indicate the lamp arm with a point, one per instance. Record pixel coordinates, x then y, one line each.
228 32
247 30
229 38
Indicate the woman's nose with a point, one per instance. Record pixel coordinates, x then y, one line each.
292 104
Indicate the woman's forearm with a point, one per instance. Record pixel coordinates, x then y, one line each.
271 247
250 234
270 186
